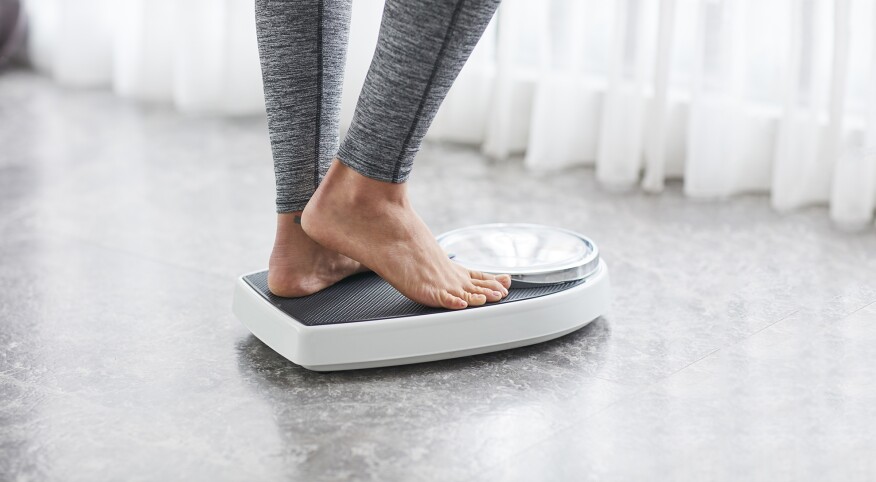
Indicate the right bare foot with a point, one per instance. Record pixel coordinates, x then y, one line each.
372 222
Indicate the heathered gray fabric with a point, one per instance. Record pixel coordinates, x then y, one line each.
421 48
302 46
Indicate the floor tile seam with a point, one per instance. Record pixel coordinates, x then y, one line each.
98 245
767 326
739 342
847 315
831 319
756 332
642 389
725 347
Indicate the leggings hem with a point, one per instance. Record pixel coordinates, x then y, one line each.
287 203
370 170
287 207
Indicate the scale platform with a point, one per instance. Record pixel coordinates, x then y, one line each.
363 322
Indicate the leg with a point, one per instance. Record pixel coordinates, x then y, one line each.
421 49
361 209
302 46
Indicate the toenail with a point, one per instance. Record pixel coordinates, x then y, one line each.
496 293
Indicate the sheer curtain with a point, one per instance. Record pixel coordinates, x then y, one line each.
199 54
731 96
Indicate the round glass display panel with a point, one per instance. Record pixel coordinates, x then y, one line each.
528 252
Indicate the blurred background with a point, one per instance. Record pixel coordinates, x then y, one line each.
732 97
719 152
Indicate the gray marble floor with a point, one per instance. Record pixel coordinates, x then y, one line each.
740 345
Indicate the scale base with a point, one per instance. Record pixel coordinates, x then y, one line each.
362 322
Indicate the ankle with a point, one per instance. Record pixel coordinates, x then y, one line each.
288 228
358 190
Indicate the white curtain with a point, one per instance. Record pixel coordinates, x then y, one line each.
199 54
731 96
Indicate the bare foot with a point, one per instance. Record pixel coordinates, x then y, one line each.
373 222
299 266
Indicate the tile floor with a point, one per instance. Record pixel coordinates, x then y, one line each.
740 345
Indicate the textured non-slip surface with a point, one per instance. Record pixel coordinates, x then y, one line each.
739 344
367 297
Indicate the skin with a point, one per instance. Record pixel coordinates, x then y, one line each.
354 223
299 266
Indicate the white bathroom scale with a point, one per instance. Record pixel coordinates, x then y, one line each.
559 285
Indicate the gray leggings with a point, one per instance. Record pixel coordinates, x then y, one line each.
421 48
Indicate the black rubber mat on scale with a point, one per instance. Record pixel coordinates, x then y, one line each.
365 297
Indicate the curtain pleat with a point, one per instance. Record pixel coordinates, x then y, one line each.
730 96
656 140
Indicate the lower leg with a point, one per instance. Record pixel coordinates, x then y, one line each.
421 48
302 49
301 46
361 209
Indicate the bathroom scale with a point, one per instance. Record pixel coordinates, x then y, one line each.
559 285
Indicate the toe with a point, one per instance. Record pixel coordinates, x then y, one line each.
474 299
489 287
480 275
503 279
491 294
451 301
493 284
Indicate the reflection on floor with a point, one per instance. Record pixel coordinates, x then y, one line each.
739 346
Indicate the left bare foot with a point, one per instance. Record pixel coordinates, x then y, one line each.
299 266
